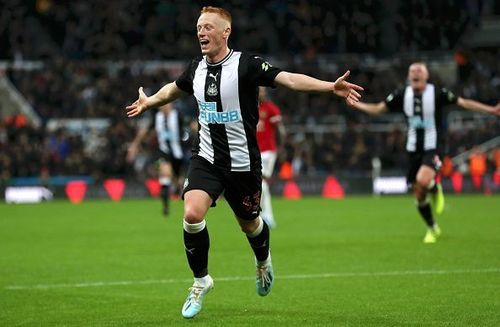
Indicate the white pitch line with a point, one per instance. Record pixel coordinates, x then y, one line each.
242 278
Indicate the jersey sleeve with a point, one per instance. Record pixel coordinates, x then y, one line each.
261 72
394 101
447 97
185 81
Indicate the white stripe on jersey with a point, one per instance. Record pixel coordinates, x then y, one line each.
411 140
429 107
428 123
236 136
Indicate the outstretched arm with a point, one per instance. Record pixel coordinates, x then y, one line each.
301 82
166 94
371 108
474 105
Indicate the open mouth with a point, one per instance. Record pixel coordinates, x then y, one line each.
204 42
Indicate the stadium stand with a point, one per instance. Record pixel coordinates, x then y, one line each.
90 62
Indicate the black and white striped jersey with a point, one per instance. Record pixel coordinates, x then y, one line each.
226 94
169 131
168 128
424 114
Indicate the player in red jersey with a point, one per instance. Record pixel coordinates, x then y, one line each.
269 123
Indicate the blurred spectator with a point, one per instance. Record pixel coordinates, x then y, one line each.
447 168
496 159
131 29
94 46
477 167
496 166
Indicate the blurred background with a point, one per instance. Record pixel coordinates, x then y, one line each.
68 69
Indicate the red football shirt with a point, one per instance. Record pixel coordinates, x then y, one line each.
269 116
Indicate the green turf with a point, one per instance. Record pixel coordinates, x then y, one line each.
355 262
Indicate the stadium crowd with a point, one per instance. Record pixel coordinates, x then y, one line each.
29 151
90 69
145 30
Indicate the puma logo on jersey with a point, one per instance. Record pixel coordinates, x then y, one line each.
213 76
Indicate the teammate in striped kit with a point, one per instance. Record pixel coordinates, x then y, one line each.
227 159
169 133
422 103
269 123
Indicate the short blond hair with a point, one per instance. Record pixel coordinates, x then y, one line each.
226 15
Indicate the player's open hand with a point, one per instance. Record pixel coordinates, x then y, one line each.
139 106
347 90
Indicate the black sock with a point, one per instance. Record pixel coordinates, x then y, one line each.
426 213
196 246
260 243
165 195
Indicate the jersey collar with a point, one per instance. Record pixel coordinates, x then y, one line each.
220 62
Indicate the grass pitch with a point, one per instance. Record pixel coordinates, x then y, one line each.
354 262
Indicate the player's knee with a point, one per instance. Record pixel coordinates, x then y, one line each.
193 214
423 182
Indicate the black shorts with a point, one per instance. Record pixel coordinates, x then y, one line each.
176 163
241 189
417 159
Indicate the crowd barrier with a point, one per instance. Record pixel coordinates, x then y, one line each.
330 187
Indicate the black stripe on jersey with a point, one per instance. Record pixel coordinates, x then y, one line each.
440 122
168 141
185 81
250 115
418 111
217 131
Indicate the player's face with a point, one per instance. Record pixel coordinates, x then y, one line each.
213 32
418 76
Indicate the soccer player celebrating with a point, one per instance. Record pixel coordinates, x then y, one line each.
227 158
269 122
422 104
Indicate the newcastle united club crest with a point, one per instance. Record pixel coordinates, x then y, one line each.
212 90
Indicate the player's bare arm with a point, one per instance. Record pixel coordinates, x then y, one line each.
301 82
133 148
371 108
474 105
166 94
